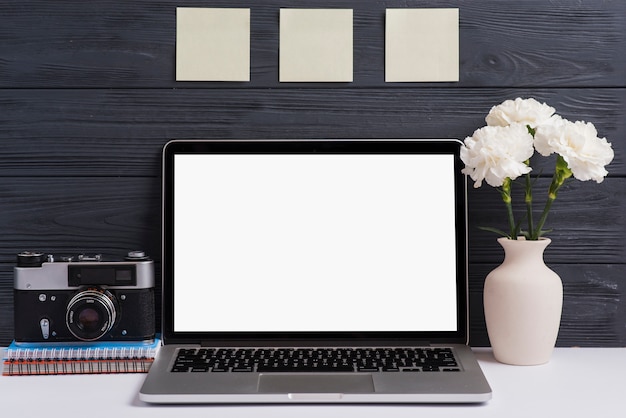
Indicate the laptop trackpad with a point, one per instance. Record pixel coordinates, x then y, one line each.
316 383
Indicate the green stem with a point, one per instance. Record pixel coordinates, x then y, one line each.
506 198
561 173
537 232
529 194
529 203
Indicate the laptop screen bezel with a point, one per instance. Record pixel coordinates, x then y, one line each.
389 146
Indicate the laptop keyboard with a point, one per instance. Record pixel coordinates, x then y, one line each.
316 360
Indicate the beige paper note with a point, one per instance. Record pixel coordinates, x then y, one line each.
315 45
212 44
422 45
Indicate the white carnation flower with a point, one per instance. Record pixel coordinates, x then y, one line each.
525 111
579 145
494 153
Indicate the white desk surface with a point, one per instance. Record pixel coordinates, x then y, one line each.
577 382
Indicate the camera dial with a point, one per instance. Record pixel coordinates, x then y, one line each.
91 313
30 259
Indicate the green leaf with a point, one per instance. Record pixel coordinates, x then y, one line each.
543 232
497 231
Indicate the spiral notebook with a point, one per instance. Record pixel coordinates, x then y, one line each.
81 358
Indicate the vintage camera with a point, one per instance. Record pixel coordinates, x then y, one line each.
83 298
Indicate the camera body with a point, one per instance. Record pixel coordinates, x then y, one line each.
83 298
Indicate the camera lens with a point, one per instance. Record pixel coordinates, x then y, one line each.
89 319
91 314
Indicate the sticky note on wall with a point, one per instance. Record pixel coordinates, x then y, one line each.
315 45
212 44
422 45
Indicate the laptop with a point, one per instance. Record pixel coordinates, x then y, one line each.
326 271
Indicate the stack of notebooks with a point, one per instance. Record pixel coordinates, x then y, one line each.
79 358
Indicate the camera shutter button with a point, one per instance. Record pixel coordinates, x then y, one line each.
137 255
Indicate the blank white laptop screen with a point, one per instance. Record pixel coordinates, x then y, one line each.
314 242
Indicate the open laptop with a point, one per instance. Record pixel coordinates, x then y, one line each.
314 271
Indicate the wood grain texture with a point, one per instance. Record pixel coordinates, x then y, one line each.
593 308
588 221
121 44
97 132
88 97
117 214
68 215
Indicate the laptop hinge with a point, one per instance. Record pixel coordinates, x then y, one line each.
312 344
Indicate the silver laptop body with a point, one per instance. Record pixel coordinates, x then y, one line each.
281 249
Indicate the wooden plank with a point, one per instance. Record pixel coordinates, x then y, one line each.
115 215
6 304
587 220
132 44
120 132
71 215
593 309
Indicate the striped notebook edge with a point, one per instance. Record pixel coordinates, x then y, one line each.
91 358
58 367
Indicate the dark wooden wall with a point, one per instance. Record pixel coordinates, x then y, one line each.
88 97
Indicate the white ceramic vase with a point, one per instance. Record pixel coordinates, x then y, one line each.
523 300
